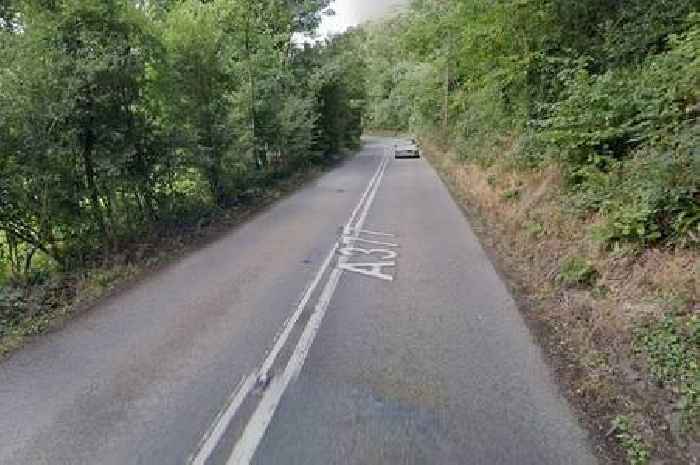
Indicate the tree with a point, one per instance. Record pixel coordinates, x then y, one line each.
120 116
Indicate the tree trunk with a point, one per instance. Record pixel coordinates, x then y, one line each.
260 163
92 186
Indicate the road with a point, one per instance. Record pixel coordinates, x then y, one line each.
357 321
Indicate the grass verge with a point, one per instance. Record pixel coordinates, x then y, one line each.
619 325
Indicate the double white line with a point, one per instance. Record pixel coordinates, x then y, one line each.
259 421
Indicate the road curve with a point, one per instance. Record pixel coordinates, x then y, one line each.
357 321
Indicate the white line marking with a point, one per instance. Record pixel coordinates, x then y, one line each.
352 239
255 430
281 341
348 227
374 233
257 426
353 251
289 325
373 270
370 200
218 428
223 419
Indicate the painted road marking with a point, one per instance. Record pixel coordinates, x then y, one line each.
353 239
353 251
223 419
257 426
254 431
374 233
373 270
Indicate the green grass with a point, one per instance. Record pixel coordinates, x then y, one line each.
671 348
633 444
577 271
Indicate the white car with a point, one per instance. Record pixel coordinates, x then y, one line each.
410 150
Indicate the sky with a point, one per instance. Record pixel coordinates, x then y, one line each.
352 12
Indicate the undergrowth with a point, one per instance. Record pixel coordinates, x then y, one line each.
633 444
671 347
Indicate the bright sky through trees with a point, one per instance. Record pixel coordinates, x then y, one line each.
352 12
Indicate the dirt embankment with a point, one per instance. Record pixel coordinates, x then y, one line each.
605 316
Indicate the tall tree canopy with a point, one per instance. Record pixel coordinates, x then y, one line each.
119 115
606 89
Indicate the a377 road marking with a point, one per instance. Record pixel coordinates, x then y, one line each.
373 269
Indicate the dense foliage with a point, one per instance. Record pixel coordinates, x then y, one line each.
608 90
120 116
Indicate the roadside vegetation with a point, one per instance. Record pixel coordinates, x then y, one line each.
570 129
126 125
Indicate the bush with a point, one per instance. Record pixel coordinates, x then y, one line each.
629 141
11 306
671 347
648 199
633 444
475 129
604 116
594 124
577 271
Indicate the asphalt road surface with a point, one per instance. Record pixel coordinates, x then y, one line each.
357 321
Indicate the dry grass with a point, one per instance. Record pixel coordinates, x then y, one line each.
586 331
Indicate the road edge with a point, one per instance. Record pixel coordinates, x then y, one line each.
562 368
163 255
